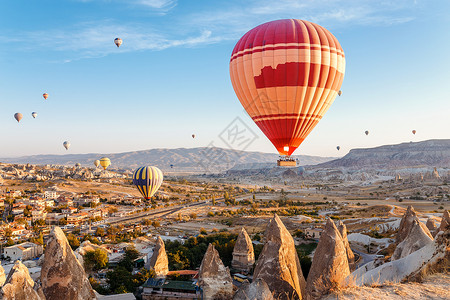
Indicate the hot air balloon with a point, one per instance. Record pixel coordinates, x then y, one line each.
147 180
45 95
18 117
193 136
366 132
338 147
171 166
77 165
96 163
34 114
118 42
66 145
340 93
414 131
286 74
105 162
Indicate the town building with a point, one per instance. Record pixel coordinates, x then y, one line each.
162 288
24 251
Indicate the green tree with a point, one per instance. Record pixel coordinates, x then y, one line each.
73 241
95 260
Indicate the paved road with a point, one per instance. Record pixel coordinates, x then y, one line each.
365 258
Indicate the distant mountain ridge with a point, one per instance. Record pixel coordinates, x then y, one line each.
430 153
197 160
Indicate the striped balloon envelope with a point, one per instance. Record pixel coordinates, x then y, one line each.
147 180
286 74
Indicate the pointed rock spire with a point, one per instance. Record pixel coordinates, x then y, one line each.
19 285
415 240
243 255
350 256
214 277
278 263
406 224
330 264
159 261
2 276
257 290
62 276
445 222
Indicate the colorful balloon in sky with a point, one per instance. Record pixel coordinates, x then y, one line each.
105 162
338 147
147 180
193 136
340 93
414 131
96 163
366 132
118 42
286 74
34 114
18 117
66 145
45 95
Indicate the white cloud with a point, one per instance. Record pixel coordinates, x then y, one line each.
158 4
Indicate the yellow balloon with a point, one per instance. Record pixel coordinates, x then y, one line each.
105 162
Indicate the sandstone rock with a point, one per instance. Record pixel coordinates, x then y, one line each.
431 225
243 255
406 224
19 285
350 256
2 276
435 174
257 290
62 276
445 222
330 264
416 239
214 277
278 263
159 261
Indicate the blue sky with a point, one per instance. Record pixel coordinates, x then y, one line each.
170 77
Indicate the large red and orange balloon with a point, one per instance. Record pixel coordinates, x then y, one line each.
286 74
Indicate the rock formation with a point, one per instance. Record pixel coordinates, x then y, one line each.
278 263
406 224
214 277
62 276
431 225
435 174
416 239
445 222
2 276
330 264
257 290
19 285
350 256
159 261
243 255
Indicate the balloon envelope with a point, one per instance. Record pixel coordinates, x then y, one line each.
414 132
286 74
96 163
34 114
66 145
147 180
193 136
340 93
45 95
366 132
18 116
338 147
105 162
118 42
77 165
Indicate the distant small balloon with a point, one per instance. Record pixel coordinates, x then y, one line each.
338 147
96 163
193 136
340 93
34 114
66 145
414 131
367 132
45 95
118 42
18 116
77 165
171 166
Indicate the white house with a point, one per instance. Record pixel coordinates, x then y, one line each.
24 251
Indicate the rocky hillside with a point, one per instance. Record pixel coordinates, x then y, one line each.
199 160
431 153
